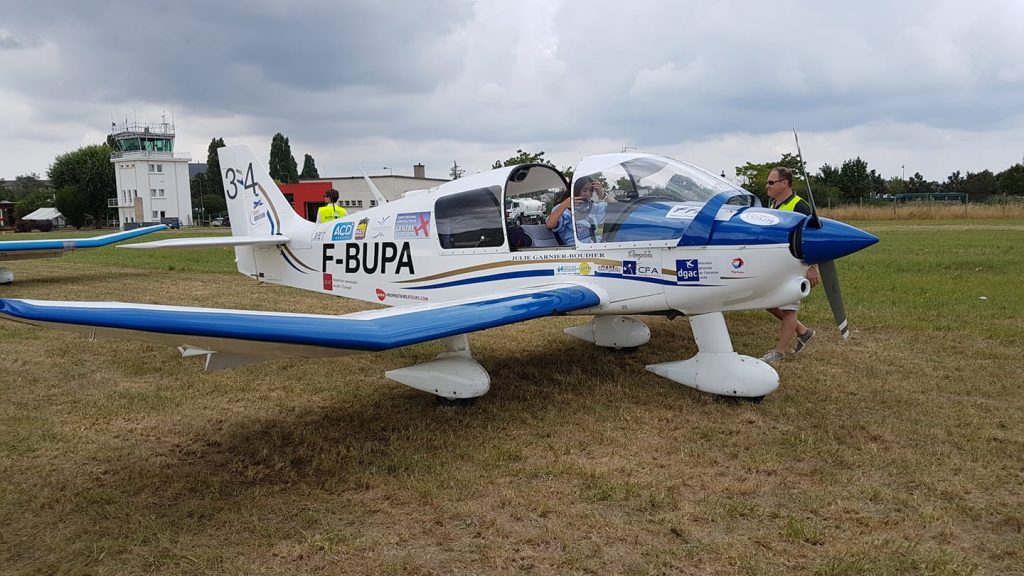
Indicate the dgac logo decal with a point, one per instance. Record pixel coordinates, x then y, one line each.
737 263
328 282
687 270
342 231
412 225
381 295
370 257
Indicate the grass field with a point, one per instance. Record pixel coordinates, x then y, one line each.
896 452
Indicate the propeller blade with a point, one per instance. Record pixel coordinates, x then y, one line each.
830 280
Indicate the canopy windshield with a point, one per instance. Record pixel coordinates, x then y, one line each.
635 198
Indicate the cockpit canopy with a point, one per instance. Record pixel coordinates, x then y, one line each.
616 199
639 197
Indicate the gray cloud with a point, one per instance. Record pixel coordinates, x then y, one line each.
476 76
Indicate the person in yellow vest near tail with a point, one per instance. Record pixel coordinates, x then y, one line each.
331 211
782 197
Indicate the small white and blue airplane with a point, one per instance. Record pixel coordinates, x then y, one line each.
55 248
668 239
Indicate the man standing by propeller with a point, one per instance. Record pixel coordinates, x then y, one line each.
780 192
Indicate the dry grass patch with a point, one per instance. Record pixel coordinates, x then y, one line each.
896 452
926 211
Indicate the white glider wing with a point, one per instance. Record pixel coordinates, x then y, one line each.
233 337
52 248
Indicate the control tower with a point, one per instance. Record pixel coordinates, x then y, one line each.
152 180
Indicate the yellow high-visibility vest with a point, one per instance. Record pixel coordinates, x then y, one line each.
791 204
330 212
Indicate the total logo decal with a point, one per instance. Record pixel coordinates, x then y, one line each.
737 263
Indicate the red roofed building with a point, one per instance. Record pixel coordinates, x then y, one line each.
307 196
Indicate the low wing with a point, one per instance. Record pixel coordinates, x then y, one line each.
51 248
210 242
232 337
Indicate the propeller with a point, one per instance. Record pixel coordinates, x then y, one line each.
827 265
830 281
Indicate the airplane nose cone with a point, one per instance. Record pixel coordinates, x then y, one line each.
833 240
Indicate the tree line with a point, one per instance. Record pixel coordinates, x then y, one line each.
81 181
853 180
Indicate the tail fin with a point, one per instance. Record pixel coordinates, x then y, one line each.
256 205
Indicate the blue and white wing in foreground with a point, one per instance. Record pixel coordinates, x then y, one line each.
233 337
51 248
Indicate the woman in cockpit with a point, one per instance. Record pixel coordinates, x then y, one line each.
590 202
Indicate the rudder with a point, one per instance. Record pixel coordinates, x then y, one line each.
256 205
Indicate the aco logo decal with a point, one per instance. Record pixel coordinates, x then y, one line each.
342 231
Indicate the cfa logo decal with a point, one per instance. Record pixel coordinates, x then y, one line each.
342 231
687 270
635 268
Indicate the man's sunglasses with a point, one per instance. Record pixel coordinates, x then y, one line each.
774 182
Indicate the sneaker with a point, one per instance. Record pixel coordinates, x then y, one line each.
773 357
801 341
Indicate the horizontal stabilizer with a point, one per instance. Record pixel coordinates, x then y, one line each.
48 248
212 242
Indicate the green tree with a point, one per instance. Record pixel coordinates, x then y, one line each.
309 171
214 203
283 167
84 179
895 185
1011 180
916 184
854 179
522 157
23 186
980 185
214 183
755 176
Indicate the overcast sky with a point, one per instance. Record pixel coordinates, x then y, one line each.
936 86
